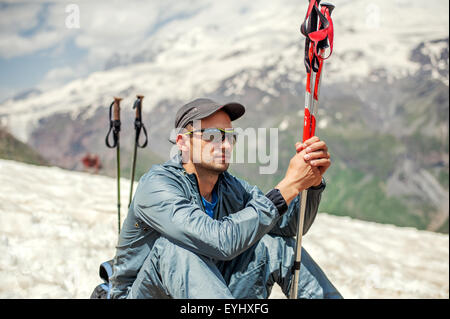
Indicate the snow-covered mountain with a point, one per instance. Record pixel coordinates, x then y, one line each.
57 226
191 55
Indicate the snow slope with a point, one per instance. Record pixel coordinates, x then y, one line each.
57 226
191 56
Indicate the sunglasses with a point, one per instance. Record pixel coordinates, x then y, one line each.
216 135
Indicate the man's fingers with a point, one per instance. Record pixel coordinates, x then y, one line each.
312 140
321 145
313 145
316 155
321 162
299 147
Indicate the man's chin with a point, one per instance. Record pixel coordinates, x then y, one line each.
221 167
218 167
214 164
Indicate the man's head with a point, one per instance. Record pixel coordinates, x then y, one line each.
205 135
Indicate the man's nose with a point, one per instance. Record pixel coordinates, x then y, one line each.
226 144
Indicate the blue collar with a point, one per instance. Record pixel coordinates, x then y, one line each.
209 206
214 199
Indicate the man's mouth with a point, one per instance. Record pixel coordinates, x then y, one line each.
222 157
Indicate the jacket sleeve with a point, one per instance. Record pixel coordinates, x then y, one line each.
287 225
161 202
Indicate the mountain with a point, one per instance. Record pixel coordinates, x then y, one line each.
62 225
383 113
13 149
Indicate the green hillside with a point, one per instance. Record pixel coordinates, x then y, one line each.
13 149
379 161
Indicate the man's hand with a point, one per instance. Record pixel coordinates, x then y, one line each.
316 154
300 175
305 168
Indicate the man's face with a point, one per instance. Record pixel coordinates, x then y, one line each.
207 148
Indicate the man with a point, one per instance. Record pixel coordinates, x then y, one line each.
195 231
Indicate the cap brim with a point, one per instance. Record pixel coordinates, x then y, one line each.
234 110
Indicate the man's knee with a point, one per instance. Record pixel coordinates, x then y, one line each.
186 274
279 253
277 249
171 255
162 271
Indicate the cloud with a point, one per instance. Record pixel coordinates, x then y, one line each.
119 28
14 45
105 26
24 30
19 17
57 76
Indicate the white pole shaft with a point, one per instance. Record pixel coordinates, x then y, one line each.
298 248
313 106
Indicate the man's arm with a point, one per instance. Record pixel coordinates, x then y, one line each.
314 153
287 225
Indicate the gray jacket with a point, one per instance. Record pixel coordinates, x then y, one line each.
168 203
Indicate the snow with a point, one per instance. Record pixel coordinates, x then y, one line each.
56 229
57 226
284 124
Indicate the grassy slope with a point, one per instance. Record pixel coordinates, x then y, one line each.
13 149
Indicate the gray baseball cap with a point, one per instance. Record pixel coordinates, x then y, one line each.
201 108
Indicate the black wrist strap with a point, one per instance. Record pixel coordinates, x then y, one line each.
320 186
277 199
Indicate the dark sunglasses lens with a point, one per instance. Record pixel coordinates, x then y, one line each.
217 136
212 136
230 137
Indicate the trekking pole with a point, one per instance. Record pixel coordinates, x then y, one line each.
138 125
114 126
318 34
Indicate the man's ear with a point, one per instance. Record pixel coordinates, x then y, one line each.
183 142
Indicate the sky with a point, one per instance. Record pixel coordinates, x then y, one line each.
35 46
44 44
